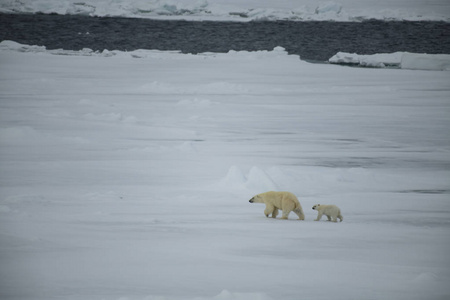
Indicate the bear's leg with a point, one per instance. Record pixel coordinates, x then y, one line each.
299 213
334 219
285 214
275 212
329 218
340 217
269 209
319 216
287 208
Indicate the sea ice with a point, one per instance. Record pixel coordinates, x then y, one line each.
403 60
127 176
248 10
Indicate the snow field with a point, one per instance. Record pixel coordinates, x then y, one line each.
129 178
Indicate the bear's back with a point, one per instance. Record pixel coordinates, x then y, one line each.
283 195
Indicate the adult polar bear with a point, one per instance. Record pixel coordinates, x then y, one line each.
274 201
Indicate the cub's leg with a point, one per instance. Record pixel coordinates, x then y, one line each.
319 216
275 212
269 210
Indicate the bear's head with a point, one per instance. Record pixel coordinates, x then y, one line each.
315 206
256 199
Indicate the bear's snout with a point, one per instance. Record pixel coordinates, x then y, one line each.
251 200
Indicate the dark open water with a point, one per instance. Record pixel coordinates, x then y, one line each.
311 40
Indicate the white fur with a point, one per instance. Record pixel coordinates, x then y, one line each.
284 201
331 211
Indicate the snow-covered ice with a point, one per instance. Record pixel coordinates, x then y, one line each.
242 10
128 175
404 60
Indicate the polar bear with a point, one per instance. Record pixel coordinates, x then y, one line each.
274 201
331 211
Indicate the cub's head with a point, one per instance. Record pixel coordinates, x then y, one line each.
256 199
315 206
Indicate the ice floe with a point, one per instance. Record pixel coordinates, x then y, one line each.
248 10
403 60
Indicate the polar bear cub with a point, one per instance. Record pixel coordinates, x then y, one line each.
275 201
331 211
